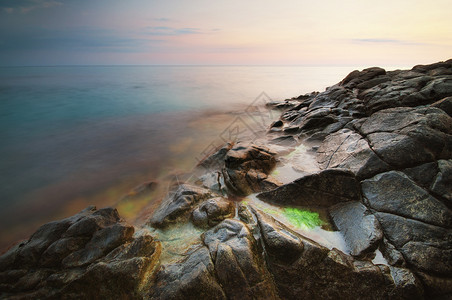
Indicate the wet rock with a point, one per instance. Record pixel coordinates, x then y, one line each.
282 105
60 249
178 204
349 150
302 268
29 253
444 104
215 161
442 183
250 157
423 175
212 212
278 123
246 169
212 180
286 140
359 77
359 226
435 177
393 192
81 262
140 191
408 285
238 264
191 278
404 137
281 243
322 189
424 246
391 254
102 242
437 287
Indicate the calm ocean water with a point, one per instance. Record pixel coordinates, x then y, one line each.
73 136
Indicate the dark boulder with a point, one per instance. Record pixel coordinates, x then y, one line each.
349 150
192 278
239 266
212 212
404 137
322 189
247 168
99 258
425 247
178 204
393 192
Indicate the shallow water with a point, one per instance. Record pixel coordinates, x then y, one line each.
295 164
327 238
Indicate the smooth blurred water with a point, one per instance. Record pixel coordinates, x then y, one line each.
67 132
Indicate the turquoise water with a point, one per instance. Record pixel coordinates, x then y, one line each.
68 132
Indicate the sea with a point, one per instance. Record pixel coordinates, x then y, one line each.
73 136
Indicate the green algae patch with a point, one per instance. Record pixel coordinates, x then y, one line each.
302 218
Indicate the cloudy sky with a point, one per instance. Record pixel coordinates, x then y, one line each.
285 32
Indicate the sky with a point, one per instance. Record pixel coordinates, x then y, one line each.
285 32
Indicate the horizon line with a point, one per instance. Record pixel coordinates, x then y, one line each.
198 65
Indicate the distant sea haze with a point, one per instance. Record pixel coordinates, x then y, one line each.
73 136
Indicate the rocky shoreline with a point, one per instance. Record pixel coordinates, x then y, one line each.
370 156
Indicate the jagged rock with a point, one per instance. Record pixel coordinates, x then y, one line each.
302 268
286 140
407 284
212 212
359 77
444 104
360 228
404 137
278 123
192 278
435 177
102 242
250 157
349 150
425 246
393 192
215 161
322 189
89 255
391 254
238 264
283 105
437 287
246 169
178 204
442 183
